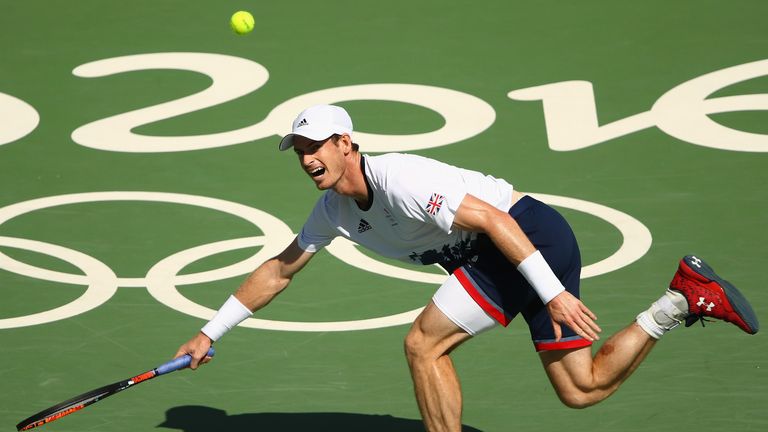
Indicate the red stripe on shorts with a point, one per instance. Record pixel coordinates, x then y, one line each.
562 345
495 313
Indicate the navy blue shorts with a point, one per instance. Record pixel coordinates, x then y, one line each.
496 285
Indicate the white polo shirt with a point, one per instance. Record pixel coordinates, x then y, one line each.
414 203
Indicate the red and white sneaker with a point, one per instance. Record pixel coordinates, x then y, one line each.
709 295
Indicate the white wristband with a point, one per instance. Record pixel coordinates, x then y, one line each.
231 314
538 273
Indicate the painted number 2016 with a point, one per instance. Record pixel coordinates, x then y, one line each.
569 109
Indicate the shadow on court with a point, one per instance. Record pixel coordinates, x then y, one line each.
193 418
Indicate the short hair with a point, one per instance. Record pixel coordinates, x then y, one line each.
336 137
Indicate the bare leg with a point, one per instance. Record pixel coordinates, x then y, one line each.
581 380
431 338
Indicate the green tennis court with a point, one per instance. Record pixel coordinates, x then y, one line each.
141 182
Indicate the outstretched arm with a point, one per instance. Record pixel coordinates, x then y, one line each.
478 216
272 277
263 285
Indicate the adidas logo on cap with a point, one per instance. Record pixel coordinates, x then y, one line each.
303 122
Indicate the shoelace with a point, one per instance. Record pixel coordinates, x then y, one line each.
691 320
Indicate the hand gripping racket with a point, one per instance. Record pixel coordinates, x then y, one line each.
79 402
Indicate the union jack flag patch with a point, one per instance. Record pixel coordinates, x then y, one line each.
434 204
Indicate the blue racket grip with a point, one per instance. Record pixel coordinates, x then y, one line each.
178 363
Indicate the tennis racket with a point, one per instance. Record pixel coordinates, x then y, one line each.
79 402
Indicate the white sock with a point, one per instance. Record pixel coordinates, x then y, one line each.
664 314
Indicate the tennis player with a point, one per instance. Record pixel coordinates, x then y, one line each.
507 254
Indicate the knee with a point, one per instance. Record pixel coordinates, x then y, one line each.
577 399
416 346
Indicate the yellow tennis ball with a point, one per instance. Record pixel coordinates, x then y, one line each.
241 22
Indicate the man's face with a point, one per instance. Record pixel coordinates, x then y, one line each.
322 160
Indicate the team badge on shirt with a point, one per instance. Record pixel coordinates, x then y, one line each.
434 204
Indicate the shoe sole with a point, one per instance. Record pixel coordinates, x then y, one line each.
737 300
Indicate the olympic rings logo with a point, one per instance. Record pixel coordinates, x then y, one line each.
163 279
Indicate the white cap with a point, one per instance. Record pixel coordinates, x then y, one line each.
318 123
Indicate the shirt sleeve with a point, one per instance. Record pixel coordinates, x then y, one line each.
432 195
317 231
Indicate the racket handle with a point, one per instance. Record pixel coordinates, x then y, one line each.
179 363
